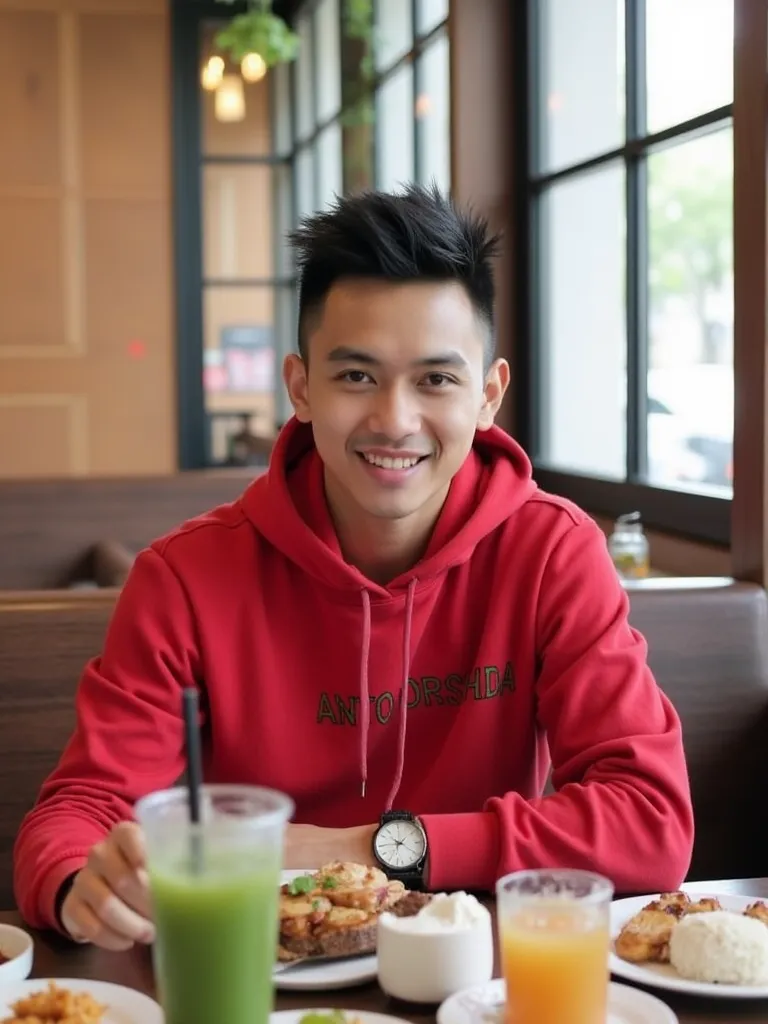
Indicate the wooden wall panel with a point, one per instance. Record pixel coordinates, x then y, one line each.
32 276
29 99
44 432
87 348
124 104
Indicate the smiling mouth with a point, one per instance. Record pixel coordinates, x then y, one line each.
385 462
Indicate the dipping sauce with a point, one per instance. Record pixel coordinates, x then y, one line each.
446 947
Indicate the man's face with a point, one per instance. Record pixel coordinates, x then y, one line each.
395 389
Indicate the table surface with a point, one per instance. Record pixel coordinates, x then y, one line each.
56 958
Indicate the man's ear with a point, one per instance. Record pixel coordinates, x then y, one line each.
496 384
295 378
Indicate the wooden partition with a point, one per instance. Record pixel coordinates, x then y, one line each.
48 527
45 641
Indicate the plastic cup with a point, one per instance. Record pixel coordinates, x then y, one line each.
214 887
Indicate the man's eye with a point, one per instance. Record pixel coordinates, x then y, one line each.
355 376
438 380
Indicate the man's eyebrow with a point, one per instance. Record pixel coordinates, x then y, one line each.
344 354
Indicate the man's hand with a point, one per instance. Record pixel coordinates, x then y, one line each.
309 846
108 903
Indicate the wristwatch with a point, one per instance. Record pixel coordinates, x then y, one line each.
400 847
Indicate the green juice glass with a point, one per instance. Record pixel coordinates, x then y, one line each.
214 887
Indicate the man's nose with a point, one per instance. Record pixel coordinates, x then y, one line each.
396 413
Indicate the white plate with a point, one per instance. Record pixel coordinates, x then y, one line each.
665 976
124 1005
485 1005
329 976
363 1016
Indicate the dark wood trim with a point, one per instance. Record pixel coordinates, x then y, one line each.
482 172
750 253
192 440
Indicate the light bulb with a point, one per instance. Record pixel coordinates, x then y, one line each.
212 74
230 99
253 67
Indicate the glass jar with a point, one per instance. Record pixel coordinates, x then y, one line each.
628 547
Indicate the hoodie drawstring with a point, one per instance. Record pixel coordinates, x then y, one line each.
365 714
365 706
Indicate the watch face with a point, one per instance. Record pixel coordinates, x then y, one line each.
401 844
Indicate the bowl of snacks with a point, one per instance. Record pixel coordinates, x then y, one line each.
16 954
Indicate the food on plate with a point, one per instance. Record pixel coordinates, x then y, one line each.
3 958
722 947
757 910
333 1017
56 1005
335 911
701 940
645 937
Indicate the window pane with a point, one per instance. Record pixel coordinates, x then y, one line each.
329 178
283 187
394 126
433 120
237 221
305 182
685 80
430 13
584 343
690 375
239 363
305 85
286 310
393 32
281 108
329 65
580 79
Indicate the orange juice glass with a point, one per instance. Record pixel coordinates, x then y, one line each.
554 940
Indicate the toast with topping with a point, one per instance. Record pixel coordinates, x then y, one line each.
335 911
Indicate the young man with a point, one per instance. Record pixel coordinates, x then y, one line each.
393 617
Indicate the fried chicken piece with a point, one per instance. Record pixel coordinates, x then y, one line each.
757 910
703 906
645 937
678 902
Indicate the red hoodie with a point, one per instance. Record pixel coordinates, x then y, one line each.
445 692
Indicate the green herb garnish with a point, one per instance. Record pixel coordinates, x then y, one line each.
302 883
329 882
335 1017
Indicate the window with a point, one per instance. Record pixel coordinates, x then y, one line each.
365 104
630 185
413 95
372 97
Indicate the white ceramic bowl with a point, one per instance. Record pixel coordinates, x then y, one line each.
19 948
427 967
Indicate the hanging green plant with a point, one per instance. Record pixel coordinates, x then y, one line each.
258 31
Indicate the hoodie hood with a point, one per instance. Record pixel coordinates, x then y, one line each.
288 508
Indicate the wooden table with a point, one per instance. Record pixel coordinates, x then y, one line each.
55 958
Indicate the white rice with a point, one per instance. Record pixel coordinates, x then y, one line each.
720 946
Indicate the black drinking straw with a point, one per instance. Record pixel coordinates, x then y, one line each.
194 772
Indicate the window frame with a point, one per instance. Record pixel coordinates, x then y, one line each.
188 162
686 512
